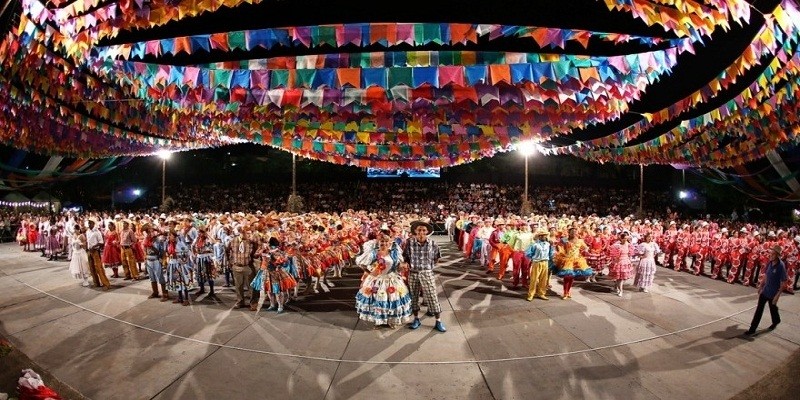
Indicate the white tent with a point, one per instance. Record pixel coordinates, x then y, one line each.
46 199
15 197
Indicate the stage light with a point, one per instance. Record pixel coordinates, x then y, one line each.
683 194
137 192
527 147
164 154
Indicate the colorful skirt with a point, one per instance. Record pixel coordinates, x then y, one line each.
138 252
574 267
179 275
204 268
111 256
383 299
621 270
273 281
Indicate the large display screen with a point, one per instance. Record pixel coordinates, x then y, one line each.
404 173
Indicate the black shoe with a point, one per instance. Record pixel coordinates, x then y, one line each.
430 314
772 327
750 333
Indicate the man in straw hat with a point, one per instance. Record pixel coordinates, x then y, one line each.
540 252
769 290
421 254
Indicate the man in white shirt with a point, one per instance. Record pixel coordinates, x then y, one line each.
94 244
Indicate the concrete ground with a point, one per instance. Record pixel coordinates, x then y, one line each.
682 340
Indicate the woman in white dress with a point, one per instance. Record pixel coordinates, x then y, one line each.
79 264
383 297
646 270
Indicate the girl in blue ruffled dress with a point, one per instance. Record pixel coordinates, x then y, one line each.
383 297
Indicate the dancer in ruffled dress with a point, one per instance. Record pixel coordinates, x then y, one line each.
112 256
646 271
178 268
570 261
205 268
383 297
272 278
621 268
79 264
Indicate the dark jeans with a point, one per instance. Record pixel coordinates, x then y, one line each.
773 311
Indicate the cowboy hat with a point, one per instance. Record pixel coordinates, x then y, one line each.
542 232
415 224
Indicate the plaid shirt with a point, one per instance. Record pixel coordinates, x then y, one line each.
421 256
241 251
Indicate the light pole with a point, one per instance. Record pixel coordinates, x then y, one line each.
294 175
164 155
526 148
641 190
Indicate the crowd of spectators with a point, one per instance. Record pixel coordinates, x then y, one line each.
432 198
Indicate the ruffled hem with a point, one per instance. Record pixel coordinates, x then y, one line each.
383 312
580 272
258 281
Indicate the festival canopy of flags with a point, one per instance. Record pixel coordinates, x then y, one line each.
89 79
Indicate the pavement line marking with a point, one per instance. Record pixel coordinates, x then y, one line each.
371 362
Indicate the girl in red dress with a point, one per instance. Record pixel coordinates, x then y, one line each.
33 236
111 251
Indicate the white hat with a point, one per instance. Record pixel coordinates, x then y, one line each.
385 227
704 223
797 239
131 216
647 222
756 233
118 216
743 230
724 230
164 216
672 222
771 233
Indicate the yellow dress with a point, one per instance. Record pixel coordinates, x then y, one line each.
570 261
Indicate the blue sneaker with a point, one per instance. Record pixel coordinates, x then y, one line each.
415 324
440 327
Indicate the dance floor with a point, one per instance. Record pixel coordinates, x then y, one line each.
682 340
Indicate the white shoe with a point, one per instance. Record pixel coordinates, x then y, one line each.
645 290
619 294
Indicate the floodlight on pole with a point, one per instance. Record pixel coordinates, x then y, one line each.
164 154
